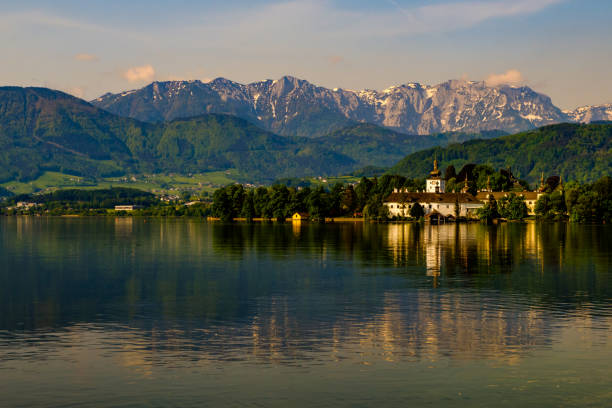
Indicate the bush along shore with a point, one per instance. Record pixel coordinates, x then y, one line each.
584 203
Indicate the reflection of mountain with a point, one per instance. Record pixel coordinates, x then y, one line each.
278 293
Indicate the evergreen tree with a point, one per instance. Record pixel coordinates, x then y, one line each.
417 211
450 173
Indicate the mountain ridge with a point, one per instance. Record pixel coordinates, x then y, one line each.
291 106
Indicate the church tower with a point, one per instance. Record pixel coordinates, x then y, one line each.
435 183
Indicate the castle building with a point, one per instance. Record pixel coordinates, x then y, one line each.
435 201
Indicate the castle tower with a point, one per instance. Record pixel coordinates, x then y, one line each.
542 184
435 183
466 186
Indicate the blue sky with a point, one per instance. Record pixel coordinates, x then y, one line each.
562 48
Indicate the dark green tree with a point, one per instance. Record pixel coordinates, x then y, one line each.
450 173
513 207
317 204
488 212
248 206
416 211
349 200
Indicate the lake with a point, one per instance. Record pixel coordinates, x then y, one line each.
123 312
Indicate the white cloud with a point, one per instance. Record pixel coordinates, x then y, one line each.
85 57
335 59
142 73
511 77
451 16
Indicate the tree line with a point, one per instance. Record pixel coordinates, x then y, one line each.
586 203
280 202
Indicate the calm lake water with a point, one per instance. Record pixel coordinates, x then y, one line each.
129 312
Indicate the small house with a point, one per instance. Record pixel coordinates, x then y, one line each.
130 207
300 216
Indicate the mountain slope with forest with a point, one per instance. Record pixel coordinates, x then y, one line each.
45 130
574 151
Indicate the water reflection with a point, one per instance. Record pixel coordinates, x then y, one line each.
147 293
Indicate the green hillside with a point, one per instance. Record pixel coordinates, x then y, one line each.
41 129
44 130
576 152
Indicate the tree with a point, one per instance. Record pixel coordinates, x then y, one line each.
317 204
450 173
363 192
278 202
349 200
228 201
185 195
417 211
248 206
335 199
260 201
543 206
457 207
488 212
513 207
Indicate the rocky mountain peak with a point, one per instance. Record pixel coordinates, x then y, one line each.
292 106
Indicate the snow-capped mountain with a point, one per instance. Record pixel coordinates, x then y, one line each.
586 114
291 106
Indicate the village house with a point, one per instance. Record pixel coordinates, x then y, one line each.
127 207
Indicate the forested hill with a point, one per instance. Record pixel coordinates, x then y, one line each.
573 151
42 129
46 130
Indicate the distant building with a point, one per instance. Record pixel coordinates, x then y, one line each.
435 201
300 216
23 204
400 202
130 207
439 205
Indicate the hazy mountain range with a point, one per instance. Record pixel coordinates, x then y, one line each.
295 107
